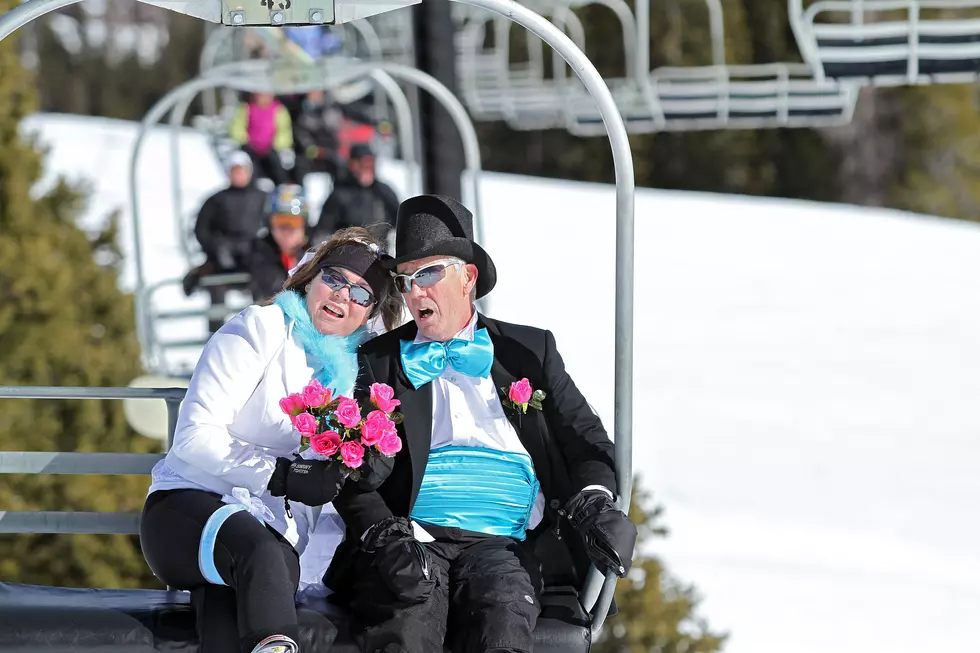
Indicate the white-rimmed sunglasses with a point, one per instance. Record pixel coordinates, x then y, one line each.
427 276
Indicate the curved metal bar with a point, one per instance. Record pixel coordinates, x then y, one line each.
406 131
24 13
623 164
209 53
176 191
369 35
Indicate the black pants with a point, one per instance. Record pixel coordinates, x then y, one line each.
268 166
260 568
487 593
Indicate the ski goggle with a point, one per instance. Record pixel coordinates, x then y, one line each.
425 277
358 294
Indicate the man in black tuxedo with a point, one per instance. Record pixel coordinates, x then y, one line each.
505 465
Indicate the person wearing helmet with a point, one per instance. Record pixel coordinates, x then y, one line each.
277 251
358 199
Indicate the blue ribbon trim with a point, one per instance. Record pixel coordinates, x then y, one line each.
205 557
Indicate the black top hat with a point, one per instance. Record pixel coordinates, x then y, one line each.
433 225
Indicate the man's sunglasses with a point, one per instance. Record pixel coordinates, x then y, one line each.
336 281
425 277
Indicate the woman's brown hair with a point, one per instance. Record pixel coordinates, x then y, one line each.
389 303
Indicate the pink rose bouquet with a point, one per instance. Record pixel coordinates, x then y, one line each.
332 428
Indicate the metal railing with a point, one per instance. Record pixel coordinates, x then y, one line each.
19 462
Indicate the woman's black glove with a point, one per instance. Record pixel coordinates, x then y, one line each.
375 471
313 482
401 560
609 534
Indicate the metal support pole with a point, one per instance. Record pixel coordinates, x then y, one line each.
623 165
173 410
435 54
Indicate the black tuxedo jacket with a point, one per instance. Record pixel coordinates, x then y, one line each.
566 440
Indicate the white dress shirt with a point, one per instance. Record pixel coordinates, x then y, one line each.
466 412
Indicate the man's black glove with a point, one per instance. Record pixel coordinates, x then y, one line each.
402 561
374 471
609 534
313 482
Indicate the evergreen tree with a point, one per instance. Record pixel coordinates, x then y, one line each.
656 610
63 322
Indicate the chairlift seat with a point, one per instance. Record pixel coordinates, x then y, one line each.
36 618
722 97
891 52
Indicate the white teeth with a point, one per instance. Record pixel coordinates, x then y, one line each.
334 311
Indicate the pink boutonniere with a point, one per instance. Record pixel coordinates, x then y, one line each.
520 395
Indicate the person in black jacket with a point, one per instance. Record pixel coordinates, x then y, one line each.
277 252
506 482
315 130
358 199
226 226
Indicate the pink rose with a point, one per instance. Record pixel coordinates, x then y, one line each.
326 443
348 412
381 395
390 444
376 426
520 392
315 395
305 424
292 405
352 454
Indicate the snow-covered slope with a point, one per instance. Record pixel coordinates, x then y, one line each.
806 383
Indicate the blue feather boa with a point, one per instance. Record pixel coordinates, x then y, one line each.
333 358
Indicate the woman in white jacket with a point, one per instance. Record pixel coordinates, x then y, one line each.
231 506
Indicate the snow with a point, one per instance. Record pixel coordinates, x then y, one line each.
805 381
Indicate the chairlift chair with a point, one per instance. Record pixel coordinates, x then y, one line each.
496 89
719 96
572 616
520 93
889 42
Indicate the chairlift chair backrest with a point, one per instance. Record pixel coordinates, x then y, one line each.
889 42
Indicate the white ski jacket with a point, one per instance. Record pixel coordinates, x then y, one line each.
230 429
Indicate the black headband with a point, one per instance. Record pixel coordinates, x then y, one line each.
362 260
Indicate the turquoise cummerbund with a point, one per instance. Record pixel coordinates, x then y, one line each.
477 489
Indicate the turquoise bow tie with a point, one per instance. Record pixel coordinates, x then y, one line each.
424 361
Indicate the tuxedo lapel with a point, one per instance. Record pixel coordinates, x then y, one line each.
507 368
416 406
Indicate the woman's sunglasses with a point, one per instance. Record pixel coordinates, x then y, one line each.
425 277
336 281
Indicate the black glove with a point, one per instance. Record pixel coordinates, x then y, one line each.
313 482
374 471
609 534
402 561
